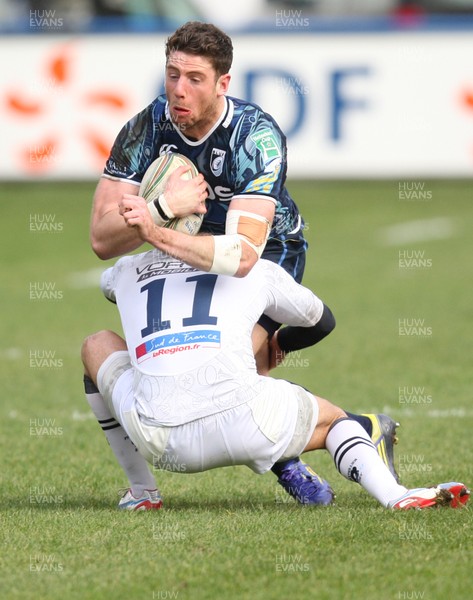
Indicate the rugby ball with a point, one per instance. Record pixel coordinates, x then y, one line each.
154 182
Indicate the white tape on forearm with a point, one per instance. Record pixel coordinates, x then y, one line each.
227 254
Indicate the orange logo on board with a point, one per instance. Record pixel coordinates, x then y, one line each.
56 94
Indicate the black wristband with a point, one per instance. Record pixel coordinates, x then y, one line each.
161 212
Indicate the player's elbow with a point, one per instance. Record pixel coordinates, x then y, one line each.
247 261
101 248
243 270
326 323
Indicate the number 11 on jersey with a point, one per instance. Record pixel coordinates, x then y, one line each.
203 292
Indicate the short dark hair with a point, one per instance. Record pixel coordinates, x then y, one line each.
203 39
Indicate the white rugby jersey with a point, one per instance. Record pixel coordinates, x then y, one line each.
188 332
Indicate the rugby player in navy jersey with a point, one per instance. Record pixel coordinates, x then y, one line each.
240 153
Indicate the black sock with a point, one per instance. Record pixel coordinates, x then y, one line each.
89 386
365 422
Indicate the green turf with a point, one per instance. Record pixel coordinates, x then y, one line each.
229 533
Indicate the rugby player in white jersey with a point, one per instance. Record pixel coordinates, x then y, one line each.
240 152
184 385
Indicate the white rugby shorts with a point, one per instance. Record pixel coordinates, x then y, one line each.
276 425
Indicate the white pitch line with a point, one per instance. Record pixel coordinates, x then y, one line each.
424 411
85 279
11 353
421 230
81 416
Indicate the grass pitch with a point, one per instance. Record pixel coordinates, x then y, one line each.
396 271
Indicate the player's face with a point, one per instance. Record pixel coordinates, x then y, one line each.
194 92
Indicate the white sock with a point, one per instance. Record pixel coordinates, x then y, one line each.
133 464
357 459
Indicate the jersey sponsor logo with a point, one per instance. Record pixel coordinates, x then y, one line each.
217 159
219 192
172 343
267 144
167 148
118 170
162 267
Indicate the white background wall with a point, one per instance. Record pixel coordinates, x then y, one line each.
353 105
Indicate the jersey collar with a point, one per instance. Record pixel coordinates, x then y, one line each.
224 119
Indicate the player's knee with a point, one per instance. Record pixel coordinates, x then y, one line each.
337 415
329 413
94 341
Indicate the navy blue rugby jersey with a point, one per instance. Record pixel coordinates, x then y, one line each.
243 156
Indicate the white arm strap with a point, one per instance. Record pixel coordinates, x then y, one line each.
227 254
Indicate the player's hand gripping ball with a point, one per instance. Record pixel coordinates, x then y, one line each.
153 184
